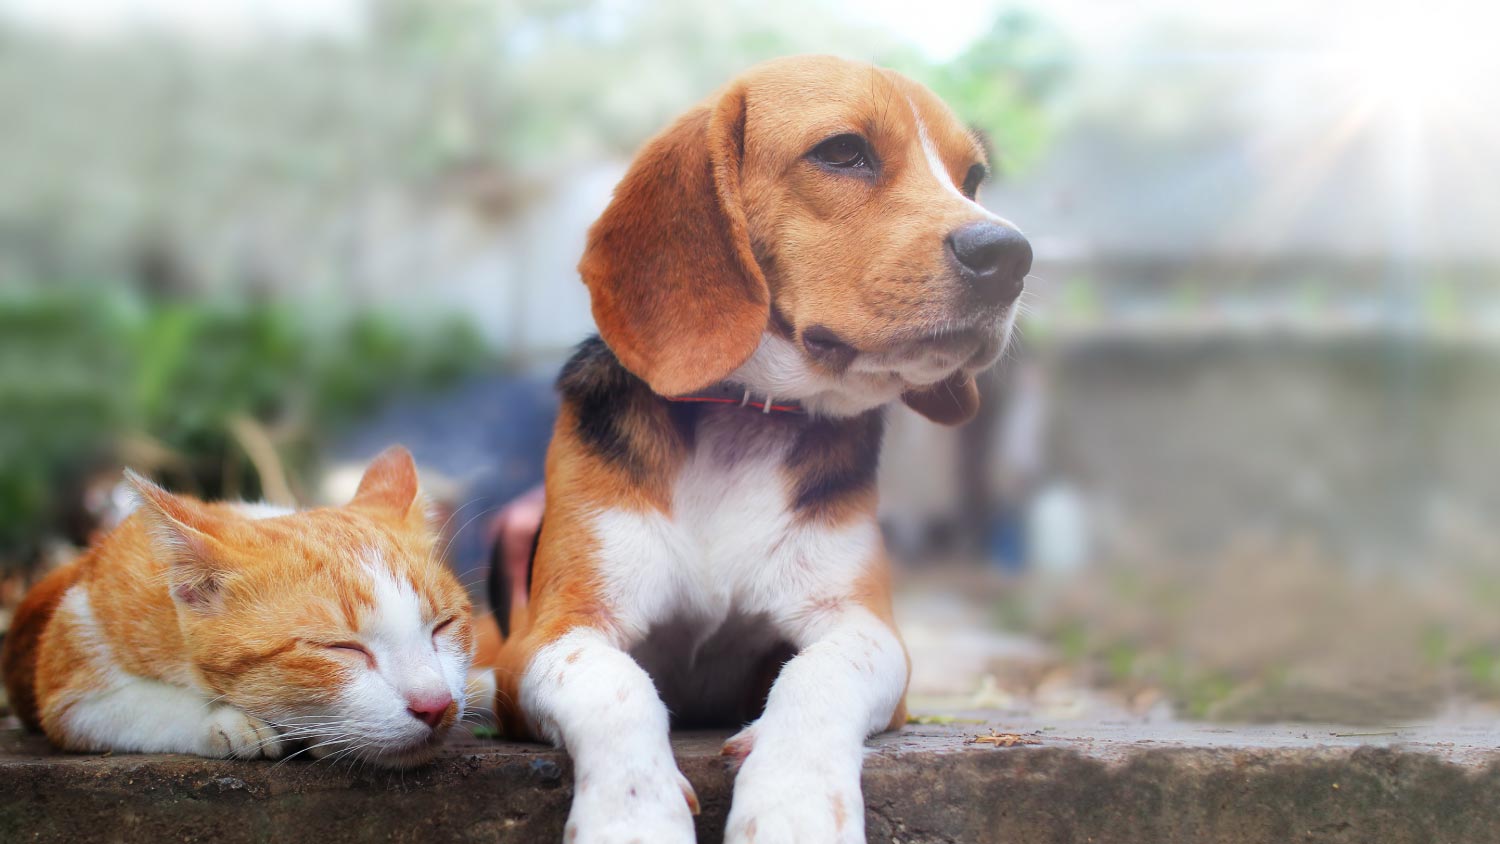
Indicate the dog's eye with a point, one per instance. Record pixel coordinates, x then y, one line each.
973 179
842 151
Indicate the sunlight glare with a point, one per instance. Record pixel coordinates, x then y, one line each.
1426 60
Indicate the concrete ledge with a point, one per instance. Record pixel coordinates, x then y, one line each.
1111 782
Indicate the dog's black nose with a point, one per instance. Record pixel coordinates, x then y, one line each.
993 258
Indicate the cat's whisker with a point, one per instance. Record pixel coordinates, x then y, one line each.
500 694
209 704
339 754
293 729
459 509
309 728
474 713
479 577
268 741
298 731
363 763
362 754
449 538
300 734
354 753
311 747
304 720
448 543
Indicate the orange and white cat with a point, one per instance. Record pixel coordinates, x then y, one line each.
243 630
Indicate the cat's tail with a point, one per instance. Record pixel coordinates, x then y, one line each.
18 656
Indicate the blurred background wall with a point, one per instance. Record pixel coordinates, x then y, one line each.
244 244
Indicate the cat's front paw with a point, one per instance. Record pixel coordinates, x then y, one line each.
636 802
230 733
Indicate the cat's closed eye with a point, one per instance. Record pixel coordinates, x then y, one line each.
442 626
351 649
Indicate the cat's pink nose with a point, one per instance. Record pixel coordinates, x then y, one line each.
429 708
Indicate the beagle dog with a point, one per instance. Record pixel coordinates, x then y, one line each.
782 262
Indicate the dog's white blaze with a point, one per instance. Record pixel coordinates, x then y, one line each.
939 171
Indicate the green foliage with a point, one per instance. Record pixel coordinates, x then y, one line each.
1002 84
1121 660
1481 666
1202 691
1442 303
85 371
245 166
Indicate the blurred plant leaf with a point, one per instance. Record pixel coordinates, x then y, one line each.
86 368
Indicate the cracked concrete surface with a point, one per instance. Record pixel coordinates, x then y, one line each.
1120 781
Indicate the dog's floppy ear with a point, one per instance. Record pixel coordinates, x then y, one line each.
952 401
676 291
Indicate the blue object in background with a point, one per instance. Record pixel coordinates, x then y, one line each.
1006 544
489 436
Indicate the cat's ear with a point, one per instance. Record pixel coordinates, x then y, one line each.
389 487
186 535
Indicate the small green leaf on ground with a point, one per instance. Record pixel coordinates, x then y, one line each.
941 719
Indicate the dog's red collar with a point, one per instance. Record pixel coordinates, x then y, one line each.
733 394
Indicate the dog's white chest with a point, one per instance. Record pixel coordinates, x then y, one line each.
732 545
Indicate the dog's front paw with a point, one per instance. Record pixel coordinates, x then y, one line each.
796 798
739 745
230 733
632 804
